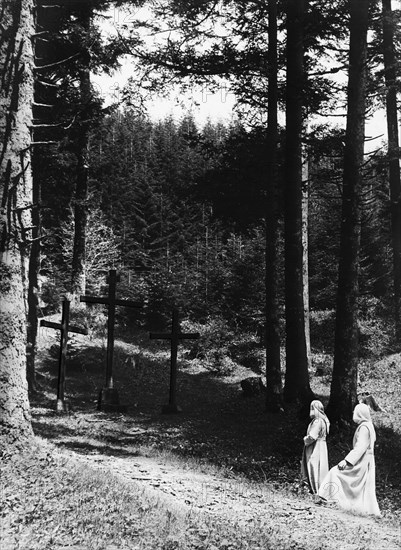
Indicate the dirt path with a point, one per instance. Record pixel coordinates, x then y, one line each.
219 427
242 503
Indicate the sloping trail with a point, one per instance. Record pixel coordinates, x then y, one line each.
218 424
183 490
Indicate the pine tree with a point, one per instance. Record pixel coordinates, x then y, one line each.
297 376
16 98
343 395
273 361
390 72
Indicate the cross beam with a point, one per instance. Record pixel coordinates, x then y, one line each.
174 337
109 393
64 327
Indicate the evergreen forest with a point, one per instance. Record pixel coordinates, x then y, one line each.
268 242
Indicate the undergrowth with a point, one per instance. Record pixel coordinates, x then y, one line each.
49 502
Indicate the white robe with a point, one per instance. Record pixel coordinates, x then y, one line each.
314 465
354 488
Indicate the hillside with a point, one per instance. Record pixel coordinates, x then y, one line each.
223 466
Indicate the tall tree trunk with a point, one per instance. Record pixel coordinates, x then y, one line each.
78 282
16 96
297 376
34 260
34 257
390 64
305 248
343 394
33 287
273 364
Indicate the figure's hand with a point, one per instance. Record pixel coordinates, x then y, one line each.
308 440
342 465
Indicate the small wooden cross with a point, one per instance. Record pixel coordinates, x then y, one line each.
64 327
108 395
174 336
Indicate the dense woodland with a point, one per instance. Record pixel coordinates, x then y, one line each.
211 219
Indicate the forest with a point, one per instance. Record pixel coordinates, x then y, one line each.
276 235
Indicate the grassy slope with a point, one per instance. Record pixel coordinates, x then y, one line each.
53 502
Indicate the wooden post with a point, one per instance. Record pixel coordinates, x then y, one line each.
110 328
174 337
108 397
64 327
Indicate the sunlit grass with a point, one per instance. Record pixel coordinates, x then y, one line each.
49 501
52 503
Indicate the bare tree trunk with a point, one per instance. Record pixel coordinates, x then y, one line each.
33 287
273 363
305 261
390 64
78 282
34 257
297 376
16 97
343 396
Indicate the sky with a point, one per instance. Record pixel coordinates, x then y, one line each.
216 106
201 102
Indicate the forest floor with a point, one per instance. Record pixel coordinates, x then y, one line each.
221 474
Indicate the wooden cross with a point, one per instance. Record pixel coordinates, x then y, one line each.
108 395
174 337
64 327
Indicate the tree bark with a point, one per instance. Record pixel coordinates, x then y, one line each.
297 376
34 257
390 64
305 261
78 282
33 287
343 396
16 97
273 362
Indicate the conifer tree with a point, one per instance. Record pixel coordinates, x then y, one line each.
297 375
16 98
343 395
273 361
391 77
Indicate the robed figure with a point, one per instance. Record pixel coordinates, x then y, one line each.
352 483
314 464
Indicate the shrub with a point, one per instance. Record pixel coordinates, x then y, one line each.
212 346
92 317
322 326
50 296
375 330
248 353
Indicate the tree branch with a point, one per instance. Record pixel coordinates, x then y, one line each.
330 71
40 143
46 83
50 65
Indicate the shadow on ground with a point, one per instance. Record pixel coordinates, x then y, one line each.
217 425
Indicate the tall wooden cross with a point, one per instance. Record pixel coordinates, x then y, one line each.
108 398
64 327
174 337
